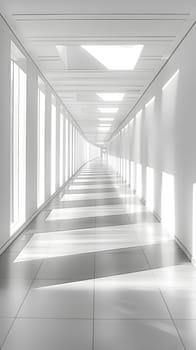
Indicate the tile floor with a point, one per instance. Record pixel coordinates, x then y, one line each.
95 270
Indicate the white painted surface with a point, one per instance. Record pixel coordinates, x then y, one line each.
6 37
4 133
55 32
163 136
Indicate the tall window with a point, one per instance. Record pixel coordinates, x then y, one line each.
41 144
70 149
139 180
61 139
18 139
66 149
150 188
73 156
76 152
87 151
53 146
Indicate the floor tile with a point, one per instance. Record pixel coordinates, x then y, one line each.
19 244
129 296
49 334
109 201
5 324
69 268
92 182
92 190
181 303
120 262
63 225
12 294
150 233
56 299
136 335
186 329
85 212
112 220
94 195
142 217
166 254
86 187
9 268
176 277
101 255
72 204
65 243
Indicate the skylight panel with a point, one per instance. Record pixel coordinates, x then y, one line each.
113 96
115 57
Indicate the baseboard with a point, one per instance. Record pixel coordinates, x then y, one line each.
157 216
177 240
37 212
184 249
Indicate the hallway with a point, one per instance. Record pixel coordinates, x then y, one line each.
95 270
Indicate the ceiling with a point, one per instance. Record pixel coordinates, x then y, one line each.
44 26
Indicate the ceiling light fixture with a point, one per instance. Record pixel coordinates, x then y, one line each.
103 128
115 57
105 125
106 119
108 109
111 96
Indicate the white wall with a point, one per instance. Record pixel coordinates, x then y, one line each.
48 143
4 133
31 155
6 36
163 136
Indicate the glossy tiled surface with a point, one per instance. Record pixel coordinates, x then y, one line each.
95 270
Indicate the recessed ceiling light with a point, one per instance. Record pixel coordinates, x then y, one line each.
108 109
111 96
105 125
115 57
106 119
103 128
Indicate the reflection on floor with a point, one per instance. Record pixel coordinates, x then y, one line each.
95 270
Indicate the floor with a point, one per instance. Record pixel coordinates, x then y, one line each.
95 270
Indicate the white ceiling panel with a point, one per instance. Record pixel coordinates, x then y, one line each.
94 6
44 26
109 28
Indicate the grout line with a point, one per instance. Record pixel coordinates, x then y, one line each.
167 307
172 319
93 315
101 319
12 323
93 334
28 290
